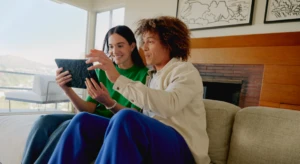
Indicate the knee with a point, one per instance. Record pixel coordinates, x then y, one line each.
80 117
45 120
125 116
45 123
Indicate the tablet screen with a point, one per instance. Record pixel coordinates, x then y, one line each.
78 70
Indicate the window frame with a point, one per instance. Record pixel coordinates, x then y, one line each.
110 20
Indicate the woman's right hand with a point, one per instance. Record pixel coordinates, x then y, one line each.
62 78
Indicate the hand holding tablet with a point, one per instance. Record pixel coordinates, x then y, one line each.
78 69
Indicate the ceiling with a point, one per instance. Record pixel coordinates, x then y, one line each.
93 5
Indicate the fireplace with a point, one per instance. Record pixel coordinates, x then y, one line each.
225 91
233 83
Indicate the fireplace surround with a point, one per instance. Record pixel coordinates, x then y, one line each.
247 78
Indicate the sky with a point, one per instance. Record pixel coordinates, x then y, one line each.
42 30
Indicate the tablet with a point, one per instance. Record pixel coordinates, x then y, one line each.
78 70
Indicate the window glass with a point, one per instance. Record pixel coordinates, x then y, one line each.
118 17
32 34
102 26
105 21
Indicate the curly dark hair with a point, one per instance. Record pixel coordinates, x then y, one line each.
173 33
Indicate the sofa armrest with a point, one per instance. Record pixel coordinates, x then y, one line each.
220 117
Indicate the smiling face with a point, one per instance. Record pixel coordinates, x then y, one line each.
155 53
120 50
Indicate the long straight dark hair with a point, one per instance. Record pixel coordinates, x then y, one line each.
126 33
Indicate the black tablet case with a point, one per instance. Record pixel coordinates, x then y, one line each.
78 70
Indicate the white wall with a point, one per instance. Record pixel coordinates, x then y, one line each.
137 9
83 4
95 5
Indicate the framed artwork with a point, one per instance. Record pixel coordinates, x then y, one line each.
282 11
207 14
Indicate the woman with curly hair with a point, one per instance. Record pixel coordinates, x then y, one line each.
172 125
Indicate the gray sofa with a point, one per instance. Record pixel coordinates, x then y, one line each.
253 135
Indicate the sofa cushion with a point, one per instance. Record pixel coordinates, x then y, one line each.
220 117
265 135
14 130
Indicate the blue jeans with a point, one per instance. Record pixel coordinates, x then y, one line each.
128 137
44 136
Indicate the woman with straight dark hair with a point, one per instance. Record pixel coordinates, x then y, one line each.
120 45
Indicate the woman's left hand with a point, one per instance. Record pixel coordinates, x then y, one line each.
105 63
98 93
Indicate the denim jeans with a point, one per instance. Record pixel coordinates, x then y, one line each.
44 136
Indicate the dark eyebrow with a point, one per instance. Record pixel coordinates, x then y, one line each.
118 43
150 37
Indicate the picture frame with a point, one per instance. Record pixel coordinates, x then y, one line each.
209 14
278 11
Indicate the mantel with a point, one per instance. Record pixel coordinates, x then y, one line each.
227 81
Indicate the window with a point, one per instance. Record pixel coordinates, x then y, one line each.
34 33
105 21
